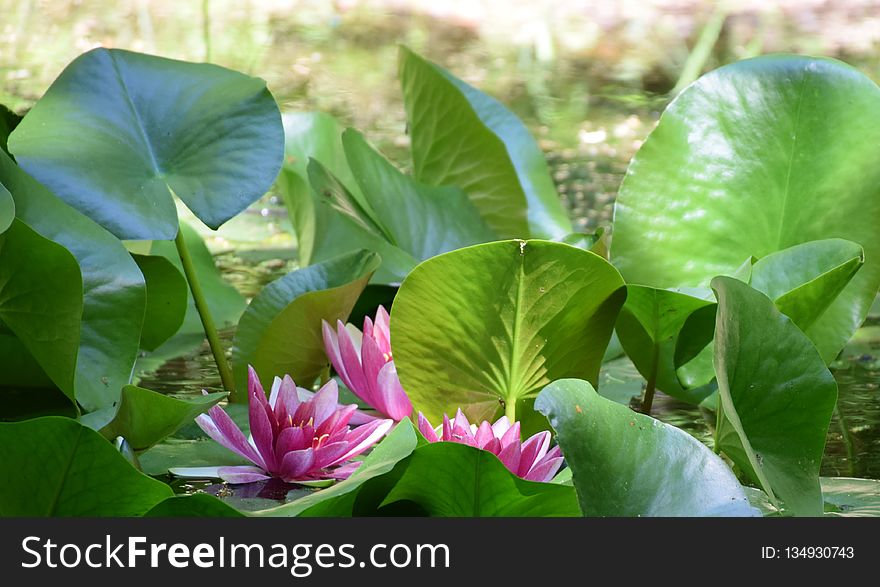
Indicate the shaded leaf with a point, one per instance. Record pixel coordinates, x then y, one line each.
41 301
113 289
58 467
167 292
144 417
280 332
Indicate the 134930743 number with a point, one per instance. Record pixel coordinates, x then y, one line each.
813 552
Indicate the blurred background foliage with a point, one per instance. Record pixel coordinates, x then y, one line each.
589 77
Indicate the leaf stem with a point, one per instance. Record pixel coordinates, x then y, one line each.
510 409
195 287
651 385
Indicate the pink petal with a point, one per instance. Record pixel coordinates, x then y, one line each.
493 446
219 426
426 429
261 429
362 417
368 327
533 450
510 455
342 471
320 407
512 436
394 399
363 437
501 426
382 330
331 345
484 434
461 430
545 470
297 464
372 362
328 454
242 474
291 439
337 421
351 359
287 402
447 429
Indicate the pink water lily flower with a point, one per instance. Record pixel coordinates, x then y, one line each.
291 439
364 363
533 459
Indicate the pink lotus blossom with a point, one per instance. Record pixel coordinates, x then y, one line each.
530 460
364 363
291 439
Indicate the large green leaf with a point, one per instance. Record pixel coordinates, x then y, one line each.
753 158
280 332
649 326
58 467
776 397
321 232
485 326
113 289
455 480
629 464
118 133
167 292
465 138
7 209
341 499
144 417
422 220
41 301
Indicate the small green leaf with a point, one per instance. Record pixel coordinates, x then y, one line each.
804 280
492 324
58 467
649 327
280 332
465 138
144 417
776 397
148 128
167 293
323 233
629 464
419 219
